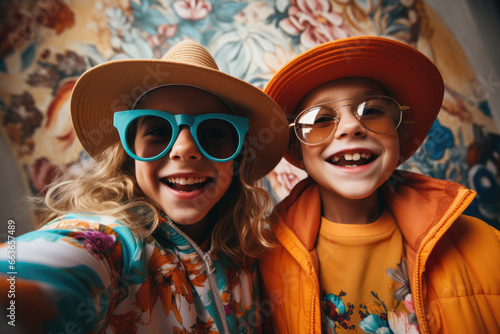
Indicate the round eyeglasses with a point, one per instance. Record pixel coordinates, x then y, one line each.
148 135
378 114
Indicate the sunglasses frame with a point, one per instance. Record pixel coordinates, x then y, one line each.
402 109
123 119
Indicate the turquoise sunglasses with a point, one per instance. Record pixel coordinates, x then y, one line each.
148 135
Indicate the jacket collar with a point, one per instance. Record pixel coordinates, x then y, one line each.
420 204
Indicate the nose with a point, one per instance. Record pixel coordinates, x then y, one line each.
348 124
185 148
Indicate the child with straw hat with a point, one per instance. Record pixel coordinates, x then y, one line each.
159 231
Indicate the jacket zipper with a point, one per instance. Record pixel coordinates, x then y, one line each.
418 298
212 281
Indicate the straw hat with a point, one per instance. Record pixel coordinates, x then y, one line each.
408 76
115 85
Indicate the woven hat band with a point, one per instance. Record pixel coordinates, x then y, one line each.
191 53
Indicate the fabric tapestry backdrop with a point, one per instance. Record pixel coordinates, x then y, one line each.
46 45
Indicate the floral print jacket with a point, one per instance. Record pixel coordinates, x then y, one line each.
92 274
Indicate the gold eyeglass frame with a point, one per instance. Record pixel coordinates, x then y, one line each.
402 109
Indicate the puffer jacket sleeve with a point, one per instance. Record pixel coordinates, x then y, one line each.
462 280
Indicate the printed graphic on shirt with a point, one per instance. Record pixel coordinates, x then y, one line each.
337 311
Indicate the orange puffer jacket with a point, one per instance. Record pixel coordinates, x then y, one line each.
453 260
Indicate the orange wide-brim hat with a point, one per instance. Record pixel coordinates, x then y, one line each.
408 75
116 85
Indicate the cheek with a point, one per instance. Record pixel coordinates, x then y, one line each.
308 152
139 175
226 174
310 158
144 174
392 150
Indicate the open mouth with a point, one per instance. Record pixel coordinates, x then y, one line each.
186 184
352 159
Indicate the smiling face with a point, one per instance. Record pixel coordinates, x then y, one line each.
184 183
352 162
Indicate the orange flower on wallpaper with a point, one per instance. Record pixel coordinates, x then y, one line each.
58 119
42 173
455 105
54 14
167 281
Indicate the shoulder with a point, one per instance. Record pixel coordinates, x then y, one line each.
470 249
101 236
475 225
462 276
82 222
79 220
472 232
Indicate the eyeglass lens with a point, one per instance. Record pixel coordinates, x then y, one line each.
149 136
381 115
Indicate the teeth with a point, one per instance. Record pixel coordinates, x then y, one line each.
186 180
366 155
352 156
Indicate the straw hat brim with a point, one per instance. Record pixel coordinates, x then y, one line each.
408 75
115 85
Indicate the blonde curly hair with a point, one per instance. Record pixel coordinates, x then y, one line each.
106 185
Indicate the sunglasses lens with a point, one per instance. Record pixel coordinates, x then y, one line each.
218 138
149 136
380 115
315 124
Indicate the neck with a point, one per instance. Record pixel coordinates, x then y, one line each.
343 210
198 232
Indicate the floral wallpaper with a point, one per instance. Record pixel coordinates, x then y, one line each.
46 45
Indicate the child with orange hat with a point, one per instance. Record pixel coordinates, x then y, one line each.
158 233
365 248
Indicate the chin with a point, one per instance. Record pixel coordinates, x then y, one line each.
185 218
355 196
358 195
